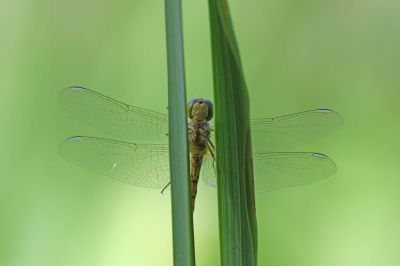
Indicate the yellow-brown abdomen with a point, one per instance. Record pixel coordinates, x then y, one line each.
195 161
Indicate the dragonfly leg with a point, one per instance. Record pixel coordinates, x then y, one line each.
162 191
210 146
210 150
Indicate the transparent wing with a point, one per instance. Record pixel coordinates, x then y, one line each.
278 170
285 132
137 164
208 171
114 117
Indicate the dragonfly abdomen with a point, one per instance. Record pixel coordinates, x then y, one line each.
196 162
198 134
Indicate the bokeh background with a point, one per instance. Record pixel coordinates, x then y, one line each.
297 55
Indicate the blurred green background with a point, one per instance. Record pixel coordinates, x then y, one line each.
297 55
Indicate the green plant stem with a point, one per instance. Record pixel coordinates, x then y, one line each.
235 183
182 216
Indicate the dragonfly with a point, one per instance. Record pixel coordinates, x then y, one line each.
145 162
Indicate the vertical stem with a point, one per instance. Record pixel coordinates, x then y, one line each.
182 216
235 183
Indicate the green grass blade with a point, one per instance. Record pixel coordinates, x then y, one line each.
236 204
182 217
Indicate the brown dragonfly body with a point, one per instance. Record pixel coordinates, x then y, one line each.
200 111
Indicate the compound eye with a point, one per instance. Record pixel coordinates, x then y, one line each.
210 110
189 107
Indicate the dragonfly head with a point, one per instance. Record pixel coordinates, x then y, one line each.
200 110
